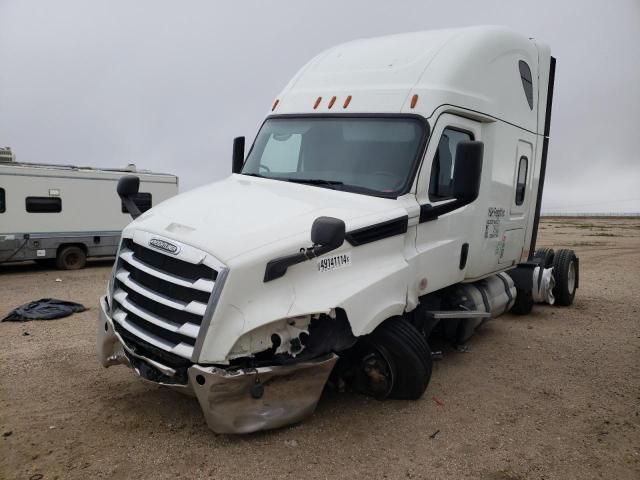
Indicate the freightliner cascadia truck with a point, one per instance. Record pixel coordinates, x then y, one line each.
392 193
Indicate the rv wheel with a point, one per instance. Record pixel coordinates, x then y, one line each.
565 273
71 258
396 361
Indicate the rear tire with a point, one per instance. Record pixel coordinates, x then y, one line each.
71 258
402 355
565 273
524 302
546 255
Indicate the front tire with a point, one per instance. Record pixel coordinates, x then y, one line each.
397 361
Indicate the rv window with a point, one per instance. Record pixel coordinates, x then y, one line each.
43 204
3 204
521 185
441 182
142 200
527 82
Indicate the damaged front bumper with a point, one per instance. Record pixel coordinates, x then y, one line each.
232 400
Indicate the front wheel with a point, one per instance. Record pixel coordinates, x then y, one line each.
395 361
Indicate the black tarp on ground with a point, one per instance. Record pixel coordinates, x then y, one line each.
43 309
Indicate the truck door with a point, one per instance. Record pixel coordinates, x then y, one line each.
441 242
515 232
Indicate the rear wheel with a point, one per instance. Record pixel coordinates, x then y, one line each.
395 361
565 273
71 258
546 256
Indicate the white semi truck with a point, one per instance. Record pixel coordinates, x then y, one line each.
63 214
392 192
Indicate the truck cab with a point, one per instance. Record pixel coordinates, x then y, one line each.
392 185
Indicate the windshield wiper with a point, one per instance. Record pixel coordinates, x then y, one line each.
254 175
315 181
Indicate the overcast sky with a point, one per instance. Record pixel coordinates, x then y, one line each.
168 84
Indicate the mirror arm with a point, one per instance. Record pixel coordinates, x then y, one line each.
277 267
131 207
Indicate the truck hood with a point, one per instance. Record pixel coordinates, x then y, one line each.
241 213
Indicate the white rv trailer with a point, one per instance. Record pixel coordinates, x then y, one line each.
393 191
64 214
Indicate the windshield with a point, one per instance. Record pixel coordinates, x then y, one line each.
365 155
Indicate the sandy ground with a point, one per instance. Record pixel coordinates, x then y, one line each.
555 395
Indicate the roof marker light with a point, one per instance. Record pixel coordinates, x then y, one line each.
414 100
318 100
332 101
346 102
275 104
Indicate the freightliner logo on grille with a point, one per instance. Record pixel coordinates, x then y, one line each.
164 245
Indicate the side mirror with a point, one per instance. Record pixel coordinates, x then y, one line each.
238 155
467 174
128 187
328 232
468 170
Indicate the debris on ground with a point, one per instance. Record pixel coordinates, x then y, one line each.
43 309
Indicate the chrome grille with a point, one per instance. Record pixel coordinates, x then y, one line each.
159 301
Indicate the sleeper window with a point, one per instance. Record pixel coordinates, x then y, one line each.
527 82
441 182
521 185
142 200
3 204
43 204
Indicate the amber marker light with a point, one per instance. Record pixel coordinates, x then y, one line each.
414 101
347 101
332 101
318 100
275 104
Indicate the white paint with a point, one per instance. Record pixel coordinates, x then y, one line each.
465 78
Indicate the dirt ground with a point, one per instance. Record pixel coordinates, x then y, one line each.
554 395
